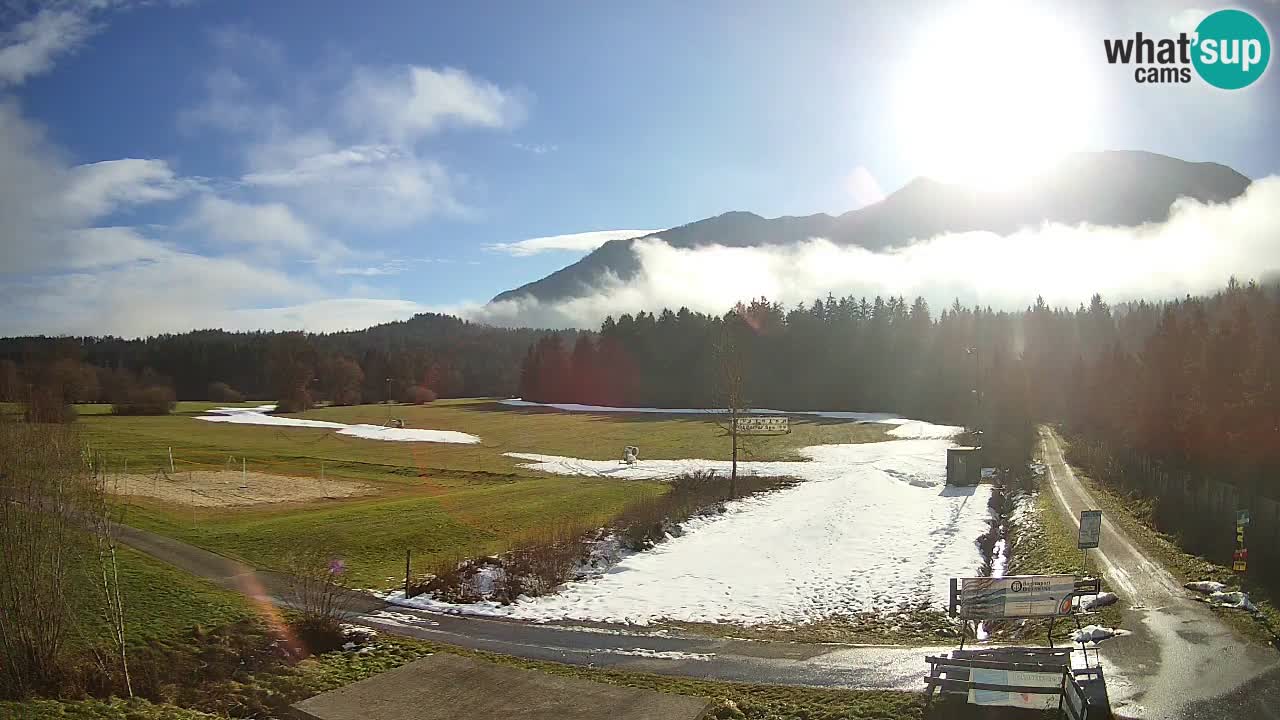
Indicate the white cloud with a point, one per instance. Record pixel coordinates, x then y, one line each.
1196 251
576 242
380 186
34 44
536 148
405 103
174 291
228 105
268 229
864 188
343 145
391 267
331 315
214 266
323 165
99 188
1187 20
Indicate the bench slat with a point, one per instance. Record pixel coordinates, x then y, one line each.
950 685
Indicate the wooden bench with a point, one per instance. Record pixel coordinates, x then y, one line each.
953 674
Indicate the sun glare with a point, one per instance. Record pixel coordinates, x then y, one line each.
993 92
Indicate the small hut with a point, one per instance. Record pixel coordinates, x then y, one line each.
964 465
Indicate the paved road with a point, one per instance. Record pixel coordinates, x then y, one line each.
1181 661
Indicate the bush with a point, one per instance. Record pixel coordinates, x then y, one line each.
222 392
44 405
419 395
154 400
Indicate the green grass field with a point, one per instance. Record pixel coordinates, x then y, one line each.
161 602
144 441
438 500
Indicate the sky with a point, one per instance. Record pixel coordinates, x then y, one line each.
322 165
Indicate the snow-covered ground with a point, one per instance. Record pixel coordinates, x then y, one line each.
905 427
872 527
258 416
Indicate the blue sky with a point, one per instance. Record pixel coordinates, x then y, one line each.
325 164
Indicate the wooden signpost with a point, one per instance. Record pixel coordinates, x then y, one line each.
762 425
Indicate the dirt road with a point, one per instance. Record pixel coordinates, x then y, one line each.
1181 661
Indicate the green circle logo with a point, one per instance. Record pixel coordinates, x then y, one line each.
1232 49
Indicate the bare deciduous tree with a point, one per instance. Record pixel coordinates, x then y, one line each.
45 490
103 524
731 378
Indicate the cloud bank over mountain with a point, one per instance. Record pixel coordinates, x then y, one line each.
1196 250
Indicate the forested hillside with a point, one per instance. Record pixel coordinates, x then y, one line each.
451 356
1193 383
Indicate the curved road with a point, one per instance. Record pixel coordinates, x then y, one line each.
1181 661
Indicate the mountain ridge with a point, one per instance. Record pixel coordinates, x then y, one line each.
1113 187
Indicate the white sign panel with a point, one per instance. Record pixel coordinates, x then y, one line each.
763 425
1016 596
1090 529
1052 682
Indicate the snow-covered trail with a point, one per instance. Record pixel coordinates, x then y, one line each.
873 526
904 427
258 416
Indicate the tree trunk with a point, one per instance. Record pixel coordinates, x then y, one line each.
733 472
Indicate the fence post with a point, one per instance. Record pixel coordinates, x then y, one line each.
407 556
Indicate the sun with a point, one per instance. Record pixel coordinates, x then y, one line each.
992 92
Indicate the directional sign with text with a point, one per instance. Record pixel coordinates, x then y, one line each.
763 425
1090 529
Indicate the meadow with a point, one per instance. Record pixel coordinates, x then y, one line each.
436 500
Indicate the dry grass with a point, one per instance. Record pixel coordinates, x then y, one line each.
231 488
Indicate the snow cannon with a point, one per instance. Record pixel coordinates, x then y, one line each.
630 454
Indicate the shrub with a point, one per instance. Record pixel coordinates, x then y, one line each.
153 400
222 392
419 395
45 405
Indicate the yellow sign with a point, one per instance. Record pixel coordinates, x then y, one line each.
1239 566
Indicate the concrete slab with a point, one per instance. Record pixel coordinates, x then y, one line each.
446 687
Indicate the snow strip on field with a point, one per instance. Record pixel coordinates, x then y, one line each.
872 527
258 416
660 654
906 428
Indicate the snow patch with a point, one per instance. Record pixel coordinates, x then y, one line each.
906 428
1099 601
399 619
1236 600
1206 586
872 527
1096 633
258 416
660 654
